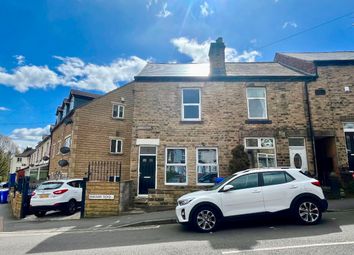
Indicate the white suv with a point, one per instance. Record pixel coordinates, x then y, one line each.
64 195
253 192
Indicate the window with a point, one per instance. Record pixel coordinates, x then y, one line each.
261 151
296 142
67 142
245 181
253 143
191 105
266 160
19 159
274 178
256 103
176 166
207 165
118 111
116 146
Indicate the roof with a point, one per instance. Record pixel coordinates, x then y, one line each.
254 69
323 56
75 92
26 153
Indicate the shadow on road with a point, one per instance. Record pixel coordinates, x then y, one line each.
236 235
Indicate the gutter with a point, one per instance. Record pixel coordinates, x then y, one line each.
311 132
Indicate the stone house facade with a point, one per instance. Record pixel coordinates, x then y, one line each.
174 126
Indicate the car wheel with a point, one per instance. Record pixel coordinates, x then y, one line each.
307 211
40 214
205 219
71 207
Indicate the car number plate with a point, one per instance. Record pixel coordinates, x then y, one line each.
44 196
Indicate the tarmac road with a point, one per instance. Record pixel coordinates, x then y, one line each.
335 235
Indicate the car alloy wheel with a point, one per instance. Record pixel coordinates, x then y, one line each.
206 220
309 212
71 207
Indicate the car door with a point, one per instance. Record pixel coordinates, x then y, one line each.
279 188
245 198
75 190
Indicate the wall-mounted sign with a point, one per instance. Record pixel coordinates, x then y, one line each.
101 196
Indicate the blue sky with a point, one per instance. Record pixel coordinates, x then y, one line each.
49 47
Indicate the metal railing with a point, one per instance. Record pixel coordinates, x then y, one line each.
109 171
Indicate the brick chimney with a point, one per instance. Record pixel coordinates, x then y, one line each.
217 58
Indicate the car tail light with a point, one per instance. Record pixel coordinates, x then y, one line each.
61 191
33 194
316 183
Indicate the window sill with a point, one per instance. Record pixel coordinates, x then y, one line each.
258 121
191 122
117 118
176 184
116 153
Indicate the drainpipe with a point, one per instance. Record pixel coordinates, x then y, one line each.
312 137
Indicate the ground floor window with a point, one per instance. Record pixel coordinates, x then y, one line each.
261 151
176 166
207 165
116 146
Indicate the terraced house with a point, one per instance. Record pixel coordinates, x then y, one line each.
175 125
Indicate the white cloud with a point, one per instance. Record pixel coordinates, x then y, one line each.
2 108
150 2
20 59
289 24
199 51
164 13
73 72
205 10
253 41
28 137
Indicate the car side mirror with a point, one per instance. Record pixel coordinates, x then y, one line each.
228 187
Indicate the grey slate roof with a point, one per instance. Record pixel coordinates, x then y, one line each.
323 56
26 153
83 93
254 69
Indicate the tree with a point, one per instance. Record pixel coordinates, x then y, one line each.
7 147
240 160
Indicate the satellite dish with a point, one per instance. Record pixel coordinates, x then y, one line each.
45 158
63 162
64 150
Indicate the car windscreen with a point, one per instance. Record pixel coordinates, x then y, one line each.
49 185
221 183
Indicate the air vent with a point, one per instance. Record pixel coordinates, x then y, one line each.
320 92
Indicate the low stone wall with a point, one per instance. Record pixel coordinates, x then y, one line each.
102 199
166 199
16 204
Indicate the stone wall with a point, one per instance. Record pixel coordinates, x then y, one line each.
157 114
167 198
16 204
102 207
330 111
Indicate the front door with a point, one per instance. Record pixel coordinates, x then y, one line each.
147 171
349 138
297 153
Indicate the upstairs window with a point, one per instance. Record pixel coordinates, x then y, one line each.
67 142
191 105
117 111
257 103
116 146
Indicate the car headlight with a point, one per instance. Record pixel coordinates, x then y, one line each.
185 201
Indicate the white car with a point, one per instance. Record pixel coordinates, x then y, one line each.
254 192
63 195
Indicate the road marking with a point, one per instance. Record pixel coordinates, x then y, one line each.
290 247
97 226
117 221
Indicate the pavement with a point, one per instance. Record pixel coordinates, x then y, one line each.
56 220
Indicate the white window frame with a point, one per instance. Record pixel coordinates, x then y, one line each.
176 164
110 145
259 143
118 110
192 104
267 156
65 141
197 164
265 103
